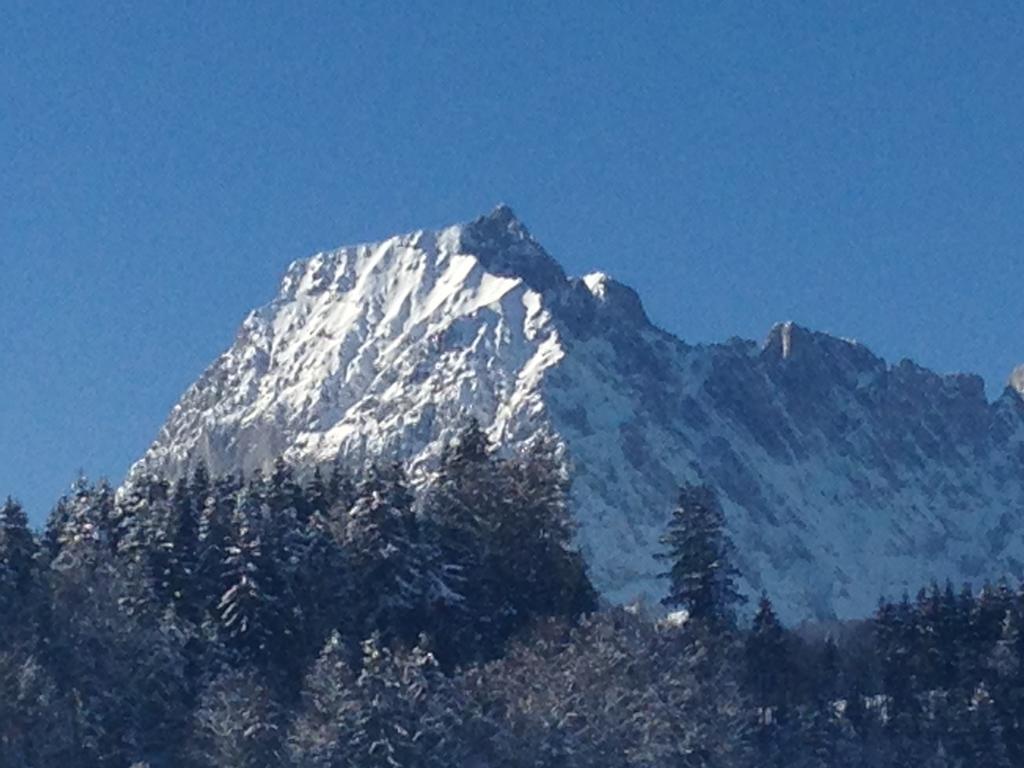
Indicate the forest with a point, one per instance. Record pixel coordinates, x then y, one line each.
350 618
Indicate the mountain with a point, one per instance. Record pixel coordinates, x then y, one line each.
842 477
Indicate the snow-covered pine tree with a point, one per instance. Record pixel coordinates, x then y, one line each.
319 734
405 713
702 577
35 719
80 529
327 591
147 528
248 611
464 504
212 545
187 502
287 543
387 557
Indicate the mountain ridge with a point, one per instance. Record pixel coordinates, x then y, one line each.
835 467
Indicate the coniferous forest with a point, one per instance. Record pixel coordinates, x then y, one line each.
340 619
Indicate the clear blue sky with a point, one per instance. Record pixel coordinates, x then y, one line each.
856 167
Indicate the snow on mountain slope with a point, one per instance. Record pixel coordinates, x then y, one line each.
842 477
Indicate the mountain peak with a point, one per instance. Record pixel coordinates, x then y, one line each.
840 478
616 297
503 213
505 247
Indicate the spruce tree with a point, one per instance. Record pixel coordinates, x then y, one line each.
319 734
767 664
387 558
214 538
187 503
462 508
543 573
248 611
79 530
20 591
702 577
406 713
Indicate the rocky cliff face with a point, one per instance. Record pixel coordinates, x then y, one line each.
842 477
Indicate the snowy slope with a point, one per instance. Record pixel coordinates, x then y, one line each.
842 477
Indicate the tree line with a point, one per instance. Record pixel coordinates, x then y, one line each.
341 619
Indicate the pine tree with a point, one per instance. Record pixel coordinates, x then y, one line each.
20 592
319 735
327 588
767 668
702 577
896 634
284 495
214 537
248 611
462 509
315 495
830 671
387 558
768 682
544 575
405 715
147 528
35 719
79 530
187 504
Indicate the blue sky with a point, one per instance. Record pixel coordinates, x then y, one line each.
855 167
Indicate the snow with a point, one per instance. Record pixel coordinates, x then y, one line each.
841 477
1017 380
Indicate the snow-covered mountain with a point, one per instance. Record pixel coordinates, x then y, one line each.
842 477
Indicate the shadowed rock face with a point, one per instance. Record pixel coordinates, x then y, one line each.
842 477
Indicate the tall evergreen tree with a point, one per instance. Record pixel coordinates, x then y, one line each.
406 713
214 538
79 531
147 528
767 660
387 556
20 592
319 734
543 573
769 683
702 576
249 613
187 502
462 509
